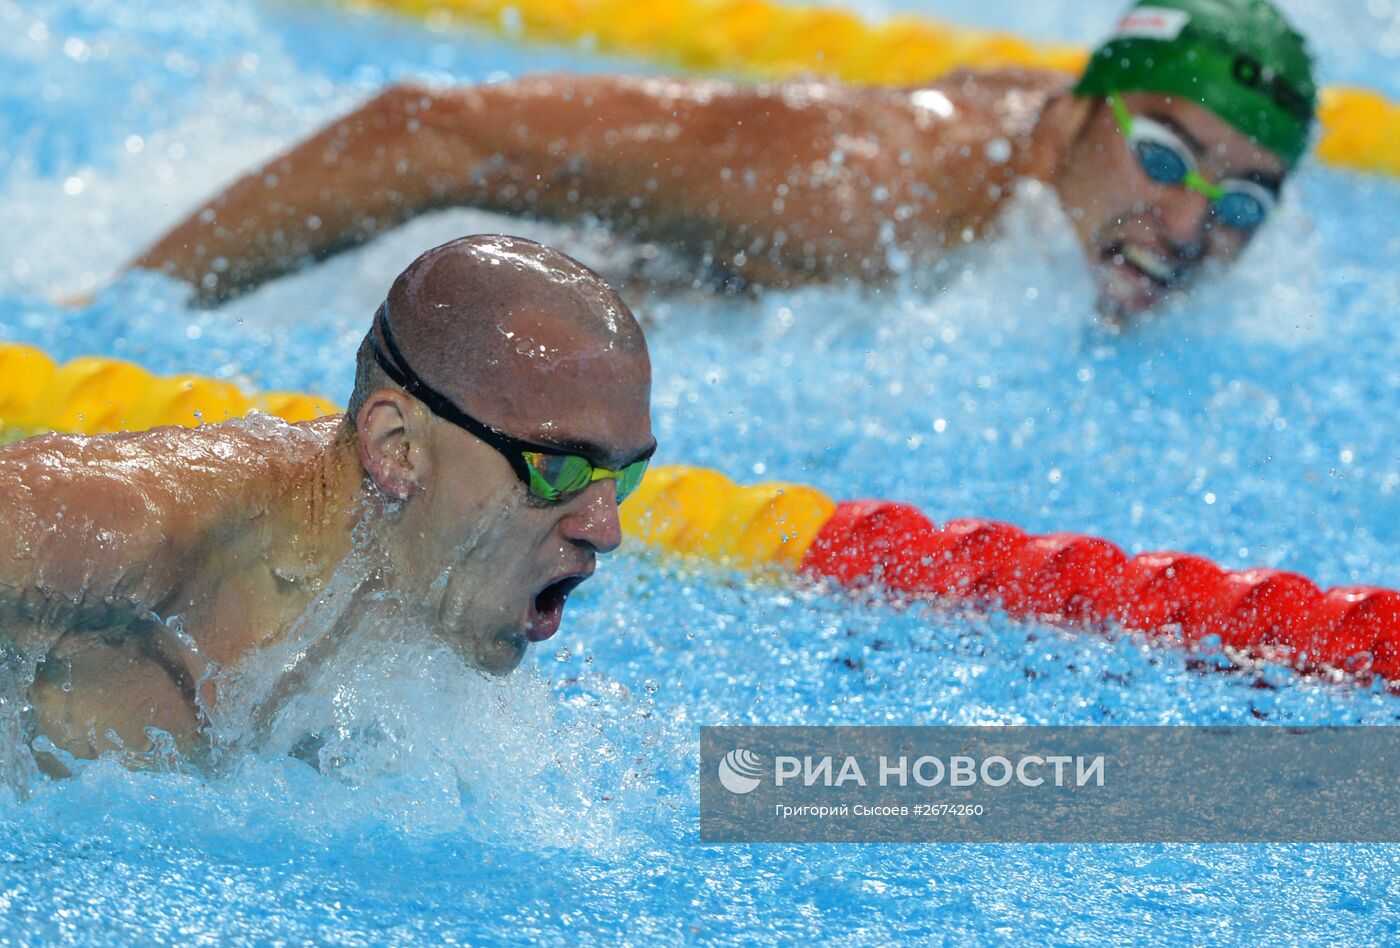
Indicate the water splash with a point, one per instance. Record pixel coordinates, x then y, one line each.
368 694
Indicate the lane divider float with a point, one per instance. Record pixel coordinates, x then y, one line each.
769 39
1087 582
792 532
94 395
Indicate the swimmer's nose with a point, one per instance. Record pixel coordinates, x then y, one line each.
1184 216
593 519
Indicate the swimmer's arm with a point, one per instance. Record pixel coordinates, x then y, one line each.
774 184
558 147
703 166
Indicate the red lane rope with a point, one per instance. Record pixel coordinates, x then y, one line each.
1089 582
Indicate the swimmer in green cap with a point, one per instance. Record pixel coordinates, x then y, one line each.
1167 153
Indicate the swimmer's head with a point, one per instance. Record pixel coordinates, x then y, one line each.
490 349
1186 121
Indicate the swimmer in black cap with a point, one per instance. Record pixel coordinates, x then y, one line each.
500 414
1168 152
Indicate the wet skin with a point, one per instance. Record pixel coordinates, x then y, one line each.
776 184
235 529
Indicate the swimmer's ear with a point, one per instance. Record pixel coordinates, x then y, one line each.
387 435
1078 112
1066 118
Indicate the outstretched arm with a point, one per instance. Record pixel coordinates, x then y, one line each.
770 183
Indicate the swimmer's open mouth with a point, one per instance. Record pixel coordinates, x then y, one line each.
1133 277
1147 263
547 608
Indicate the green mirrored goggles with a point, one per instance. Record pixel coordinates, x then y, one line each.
554 476
1236 202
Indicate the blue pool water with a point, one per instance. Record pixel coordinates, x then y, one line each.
1253 423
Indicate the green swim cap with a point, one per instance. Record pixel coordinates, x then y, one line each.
1239 58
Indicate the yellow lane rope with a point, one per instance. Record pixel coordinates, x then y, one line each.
764 39
94 395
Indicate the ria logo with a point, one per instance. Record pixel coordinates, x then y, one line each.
740 771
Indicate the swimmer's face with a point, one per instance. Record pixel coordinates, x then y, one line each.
499 564
1144 239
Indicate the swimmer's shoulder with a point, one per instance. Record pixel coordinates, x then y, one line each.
171 462
80 524
125 515
217 479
